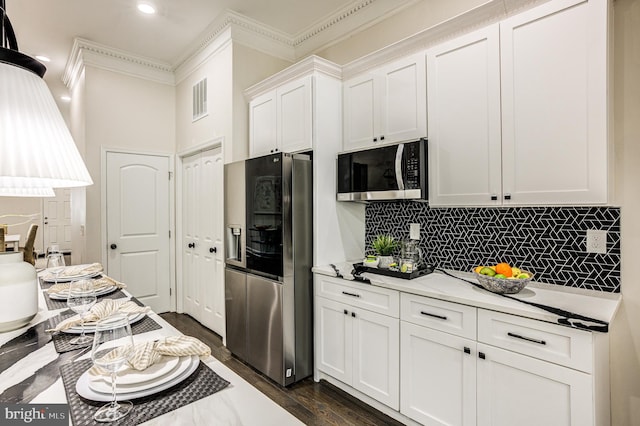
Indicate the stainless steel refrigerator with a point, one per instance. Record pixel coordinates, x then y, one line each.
269 254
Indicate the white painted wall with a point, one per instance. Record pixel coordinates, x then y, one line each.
126 113
422 15
625 332
229 70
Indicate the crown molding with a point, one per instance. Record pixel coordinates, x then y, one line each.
311 64
487 13
340 25
86 52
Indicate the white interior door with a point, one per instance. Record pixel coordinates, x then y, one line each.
202 210
56 215
138 226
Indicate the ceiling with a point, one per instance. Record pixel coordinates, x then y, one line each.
48 27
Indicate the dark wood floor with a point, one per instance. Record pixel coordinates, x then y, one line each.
313 403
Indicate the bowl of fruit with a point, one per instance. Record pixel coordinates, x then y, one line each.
502 278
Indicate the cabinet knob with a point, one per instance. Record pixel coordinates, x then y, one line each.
494 198
213 250
507 196
113 246
381 138
271 151
353 314
191 245
346 312
467 350
481 355
375 139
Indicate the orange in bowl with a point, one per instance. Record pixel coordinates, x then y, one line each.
504 269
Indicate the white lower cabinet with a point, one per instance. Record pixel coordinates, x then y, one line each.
358 347
444 363
515 389
437 376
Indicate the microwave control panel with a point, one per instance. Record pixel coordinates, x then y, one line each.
412 165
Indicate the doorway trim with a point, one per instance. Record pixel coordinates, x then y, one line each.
172 207
205 146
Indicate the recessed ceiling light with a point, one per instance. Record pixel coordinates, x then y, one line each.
42 58
65 98
146 8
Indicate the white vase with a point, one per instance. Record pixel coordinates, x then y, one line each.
384 262
18 291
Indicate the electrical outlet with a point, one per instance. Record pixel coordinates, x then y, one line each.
414 231
596 241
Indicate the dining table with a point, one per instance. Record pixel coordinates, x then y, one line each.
39 368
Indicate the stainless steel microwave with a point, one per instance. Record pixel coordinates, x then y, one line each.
390 172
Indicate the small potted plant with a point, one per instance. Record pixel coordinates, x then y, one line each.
384 245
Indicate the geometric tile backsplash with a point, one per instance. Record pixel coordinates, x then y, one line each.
549 241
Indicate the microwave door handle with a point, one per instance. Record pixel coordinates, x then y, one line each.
399 178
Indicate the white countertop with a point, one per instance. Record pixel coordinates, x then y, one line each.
589 303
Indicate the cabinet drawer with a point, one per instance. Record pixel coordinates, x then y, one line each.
365 296
449 317
555 343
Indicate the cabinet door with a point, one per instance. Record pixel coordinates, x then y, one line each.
438 376
376 357
515 389
262 119
334 327
361 112
465 164
403 109
554 100
295 115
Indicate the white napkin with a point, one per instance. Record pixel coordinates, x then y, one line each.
146 354
101 310
98 284
75 270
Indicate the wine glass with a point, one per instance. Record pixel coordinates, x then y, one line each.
112 346
55 264
82 297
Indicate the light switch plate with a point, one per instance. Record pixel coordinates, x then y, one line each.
596 241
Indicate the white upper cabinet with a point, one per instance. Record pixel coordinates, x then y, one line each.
386 105
554 103
465 154
281 120
520 117
262 132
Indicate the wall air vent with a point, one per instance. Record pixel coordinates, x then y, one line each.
199 100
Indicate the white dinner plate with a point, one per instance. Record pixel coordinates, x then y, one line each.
63 279
103 385
90 327
99 292
83 389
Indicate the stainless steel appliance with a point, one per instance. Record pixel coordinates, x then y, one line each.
391 172
269 254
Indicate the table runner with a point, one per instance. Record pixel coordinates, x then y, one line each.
61 340
202 383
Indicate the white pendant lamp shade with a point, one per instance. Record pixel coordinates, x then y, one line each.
36 147
27 192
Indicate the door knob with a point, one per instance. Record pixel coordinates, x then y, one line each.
213 250
113 246
191 245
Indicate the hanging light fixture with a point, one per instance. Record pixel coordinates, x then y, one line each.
36 147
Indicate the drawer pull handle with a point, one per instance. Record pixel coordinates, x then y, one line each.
346 312
350 294
481 355
528 339
442 317
467 350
